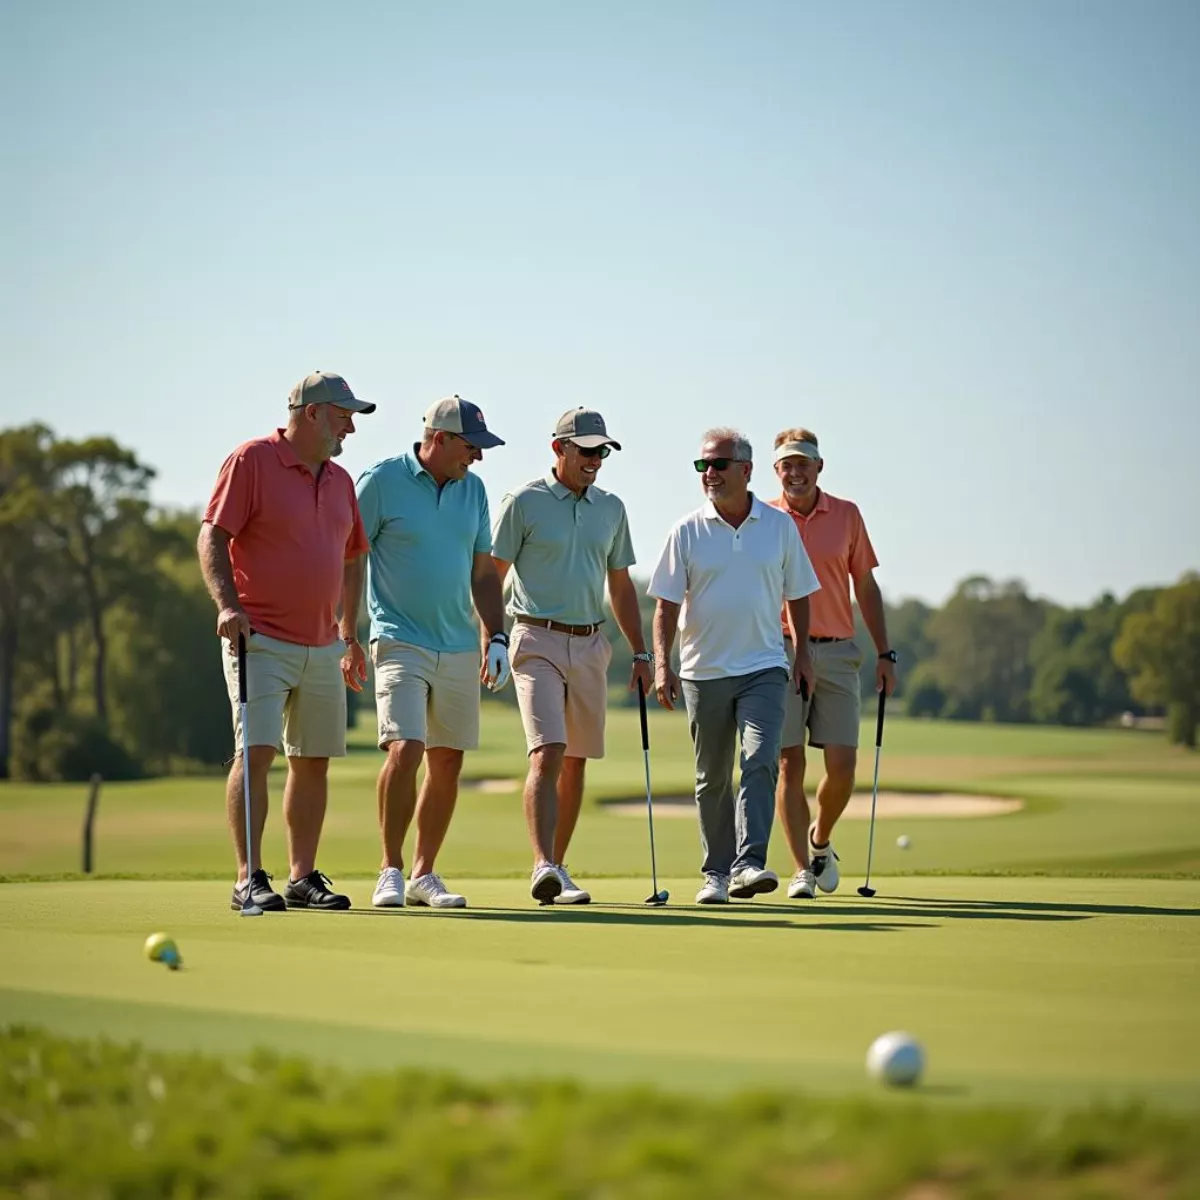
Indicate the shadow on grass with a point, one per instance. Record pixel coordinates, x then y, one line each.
1033 910
943 910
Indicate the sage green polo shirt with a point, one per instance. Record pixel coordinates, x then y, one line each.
561 547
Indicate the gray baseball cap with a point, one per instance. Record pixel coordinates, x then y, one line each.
456 415
584 427
324 387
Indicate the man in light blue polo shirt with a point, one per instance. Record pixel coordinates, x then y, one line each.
429 571
563 539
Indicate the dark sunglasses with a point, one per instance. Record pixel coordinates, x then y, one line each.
717 464
592 451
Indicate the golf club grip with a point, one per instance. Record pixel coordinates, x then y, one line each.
642 706
241 665
879 723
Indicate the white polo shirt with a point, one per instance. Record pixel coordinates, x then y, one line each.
731 584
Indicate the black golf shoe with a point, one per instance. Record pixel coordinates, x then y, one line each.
313 891
261 893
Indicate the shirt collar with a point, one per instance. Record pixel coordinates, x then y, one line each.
287 453
414 465
560 491
822 505
756 506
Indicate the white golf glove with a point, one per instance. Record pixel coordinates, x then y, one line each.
497 665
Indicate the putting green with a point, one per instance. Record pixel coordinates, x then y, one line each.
1045 990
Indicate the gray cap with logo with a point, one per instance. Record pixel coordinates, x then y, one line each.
584 427
456 415
324 387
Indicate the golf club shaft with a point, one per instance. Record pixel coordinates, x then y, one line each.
649 801
243 706
875 784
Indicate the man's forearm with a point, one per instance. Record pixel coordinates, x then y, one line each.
489 601
627 611
870 604
212 548
666 622
352 585
798 619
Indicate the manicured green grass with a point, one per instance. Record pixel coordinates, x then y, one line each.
87 1119
1107 801
1032 990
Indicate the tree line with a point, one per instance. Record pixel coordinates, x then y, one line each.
109 659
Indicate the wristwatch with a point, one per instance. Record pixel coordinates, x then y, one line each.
644 656
890 655
500 637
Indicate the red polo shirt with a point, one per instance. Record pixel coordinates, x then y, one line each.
290 536
835 537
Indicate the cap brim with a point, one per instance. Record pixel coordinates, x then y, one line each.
484 440
356 405
591 441
783 453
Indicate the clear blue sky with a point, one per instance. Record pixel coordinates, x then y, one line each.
959 240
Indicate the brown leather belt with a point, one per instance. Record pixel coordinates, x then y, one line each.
559 627
787 638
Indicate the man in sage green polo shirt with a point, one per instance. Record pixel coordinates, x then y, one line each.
429 571
563 539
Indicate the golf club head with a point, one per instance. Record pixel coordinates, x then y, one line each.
866 891
250 909
658 898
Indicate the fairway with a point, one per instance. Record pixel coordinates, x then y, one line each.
1039 990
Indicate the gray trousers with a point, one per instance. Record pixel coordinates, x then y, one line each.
734 831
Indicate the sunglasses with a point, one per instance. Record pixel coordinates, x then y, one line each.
717 464
592 451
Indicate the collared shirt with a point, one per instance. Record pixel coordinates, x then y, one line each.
290 535
730 583
835 537
423 545
561 547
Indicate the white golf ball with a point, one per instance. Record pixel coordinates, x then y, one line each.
896 1059
903 842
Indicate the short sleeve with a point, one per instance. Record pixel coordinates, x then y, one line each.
669 581
357 543
862 554
509 534
799 578
369 506
483 534
620 553
232 502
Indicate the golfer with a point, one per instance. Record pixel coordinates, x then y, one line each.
280 542
840 550
563 538
722 576
429 571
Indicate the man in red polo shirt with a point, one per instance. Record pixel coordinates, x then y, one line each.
278 534
836 539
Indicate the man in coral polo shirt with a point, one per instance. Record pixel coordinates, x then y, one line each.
280 534
836 539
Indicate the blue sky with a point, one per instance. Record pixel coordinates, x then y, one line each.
959 240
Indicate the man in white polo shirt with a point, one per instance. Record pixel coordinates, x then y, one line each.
564 538
720 581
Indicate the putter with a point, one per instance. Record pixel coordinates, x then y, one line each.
867 889
655 897
249 908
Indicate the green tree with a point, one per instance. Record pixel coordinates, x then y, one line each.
1160 648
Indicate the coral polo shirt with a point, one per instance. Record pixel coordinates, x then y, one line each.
835 537
290 536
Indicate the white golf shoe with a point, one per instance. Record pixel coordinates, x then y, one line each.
803 885
429 890
571 892
545 883
715 889
752 881
824 863
389 889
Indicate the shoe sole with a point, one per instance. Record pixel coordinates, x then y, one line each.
319 907
801 895
545 891
561 899
415 903
714 900
268 906
388 902
746 890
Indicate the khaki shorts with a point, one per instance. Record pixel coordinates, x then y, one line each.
833 710
426 696
562 688
295 696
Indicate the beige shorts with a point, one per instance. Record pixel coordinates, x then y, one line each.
562 688
295 696
426 696
833 710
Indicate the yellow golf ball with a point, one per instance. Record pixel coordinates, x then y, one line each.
161 948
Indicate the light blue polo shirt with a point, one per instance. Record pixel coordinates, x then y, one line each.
423 545
561 547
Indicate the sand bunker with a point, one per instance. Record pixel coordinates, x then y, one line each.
891 804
